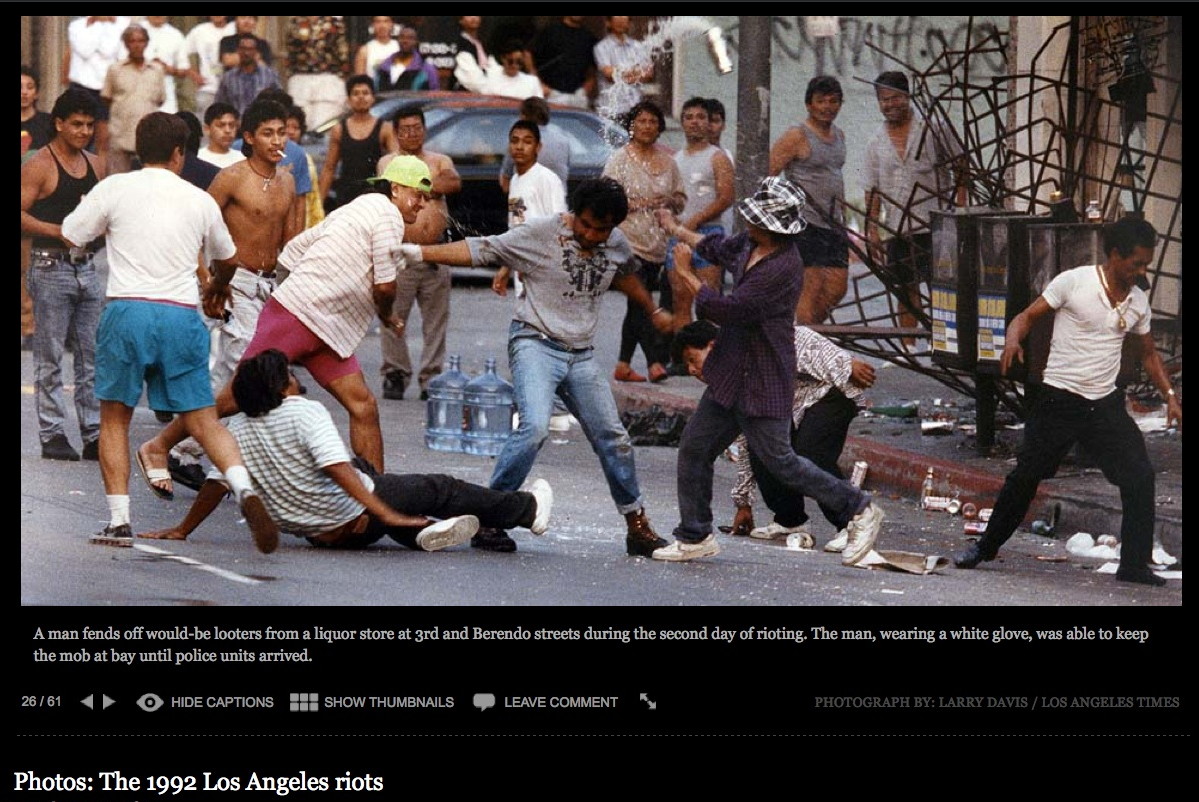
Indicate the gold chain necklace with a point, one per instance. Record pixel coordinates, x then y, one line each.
1107 293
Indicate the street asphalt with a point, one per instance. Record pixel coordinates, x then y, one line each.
580 561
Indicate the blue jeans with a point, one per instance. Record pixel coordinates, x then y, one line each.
1056 421
542 369
66 306
710 431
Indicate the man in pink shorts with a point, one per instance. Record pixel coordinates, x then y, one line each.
321 313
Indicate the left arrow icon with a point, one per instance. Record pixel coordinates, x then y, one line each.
90 701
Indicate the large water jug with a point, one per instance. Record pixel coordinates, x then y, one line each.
445 421
489 404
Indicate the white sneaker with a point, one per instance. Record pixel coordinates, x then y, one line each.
545 501
838 544
774 531
448 532
681 551
561 422
863 531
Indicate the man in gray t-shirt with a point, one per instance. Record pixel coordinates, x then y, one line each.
567 262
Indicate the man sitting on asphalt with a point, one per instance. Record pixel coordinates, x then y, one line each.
827 384
302 470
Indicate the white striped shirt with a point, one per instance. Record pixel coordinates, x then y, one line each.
335 265
822 365
284 451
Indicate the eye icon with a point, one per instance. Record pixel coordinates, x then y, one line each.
150 702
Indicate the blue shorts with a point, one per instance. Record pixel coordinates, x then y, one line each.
160 345
696 260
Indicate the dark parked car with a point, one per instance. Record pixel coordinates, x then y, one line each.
473 131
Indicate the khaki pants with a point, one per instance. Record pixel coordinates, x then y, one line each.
428 285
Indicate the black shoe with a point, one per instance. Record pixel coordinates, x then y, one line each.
164 417
970 557
120 536
489 539
394 384
1142 576
58 448
424 395
641 540
187 475
91 451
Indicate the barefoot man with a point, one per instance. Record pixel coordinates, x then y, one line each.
255 199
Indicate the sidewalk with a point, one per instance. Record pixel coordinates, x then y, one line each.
899 456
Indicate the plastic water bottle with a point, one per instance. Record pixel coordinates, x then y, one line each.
445 421
489 403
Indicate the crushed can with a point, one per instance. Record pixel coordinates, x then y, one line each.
975 527
859 473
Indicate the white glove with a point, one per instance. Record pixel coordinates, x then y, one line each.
411 253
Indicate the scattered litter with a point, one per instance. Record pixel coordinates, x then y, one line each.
907 561
892 592
1082 544
936 427
1051 558
1151 423
967 428
1164 500
1111 568
800 541
1160 557
1107 540
77 493
904 410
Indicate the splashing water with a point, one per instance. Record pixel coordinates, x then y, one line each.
664 37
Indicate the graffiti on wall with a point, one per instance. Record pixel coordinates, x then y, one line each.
862 42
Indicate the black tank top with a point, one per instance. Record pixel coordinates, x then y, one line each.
360 157
55 207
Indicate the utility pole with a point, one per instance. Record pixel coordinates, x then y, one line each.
753 102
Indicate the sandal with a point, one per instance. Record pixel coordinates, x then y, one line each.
152 475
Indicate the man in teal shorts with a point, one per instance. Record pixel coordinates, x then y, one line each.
150 332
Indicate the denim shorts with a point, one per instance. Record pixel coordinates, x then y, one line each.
160 345
823 247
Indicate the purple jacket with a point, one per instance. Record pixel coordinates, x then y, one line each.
418 75
752 365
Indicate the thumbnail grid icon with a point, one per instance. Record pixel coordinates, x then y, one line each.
305 702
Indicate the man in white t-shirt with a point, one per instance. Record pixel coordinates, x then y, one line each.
168 50
534 190
204 42
511 80
1094 308
220 124
150 333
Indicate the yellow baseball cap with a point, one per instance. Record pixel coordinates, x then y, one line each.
407 171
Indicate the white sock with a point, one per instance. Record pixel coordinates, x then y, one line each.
238 479
118 510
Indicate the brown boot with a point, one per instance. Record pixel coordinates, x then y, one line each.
641 539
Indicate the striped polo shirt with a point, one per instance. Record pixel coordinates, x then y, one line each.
335 265
284 451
